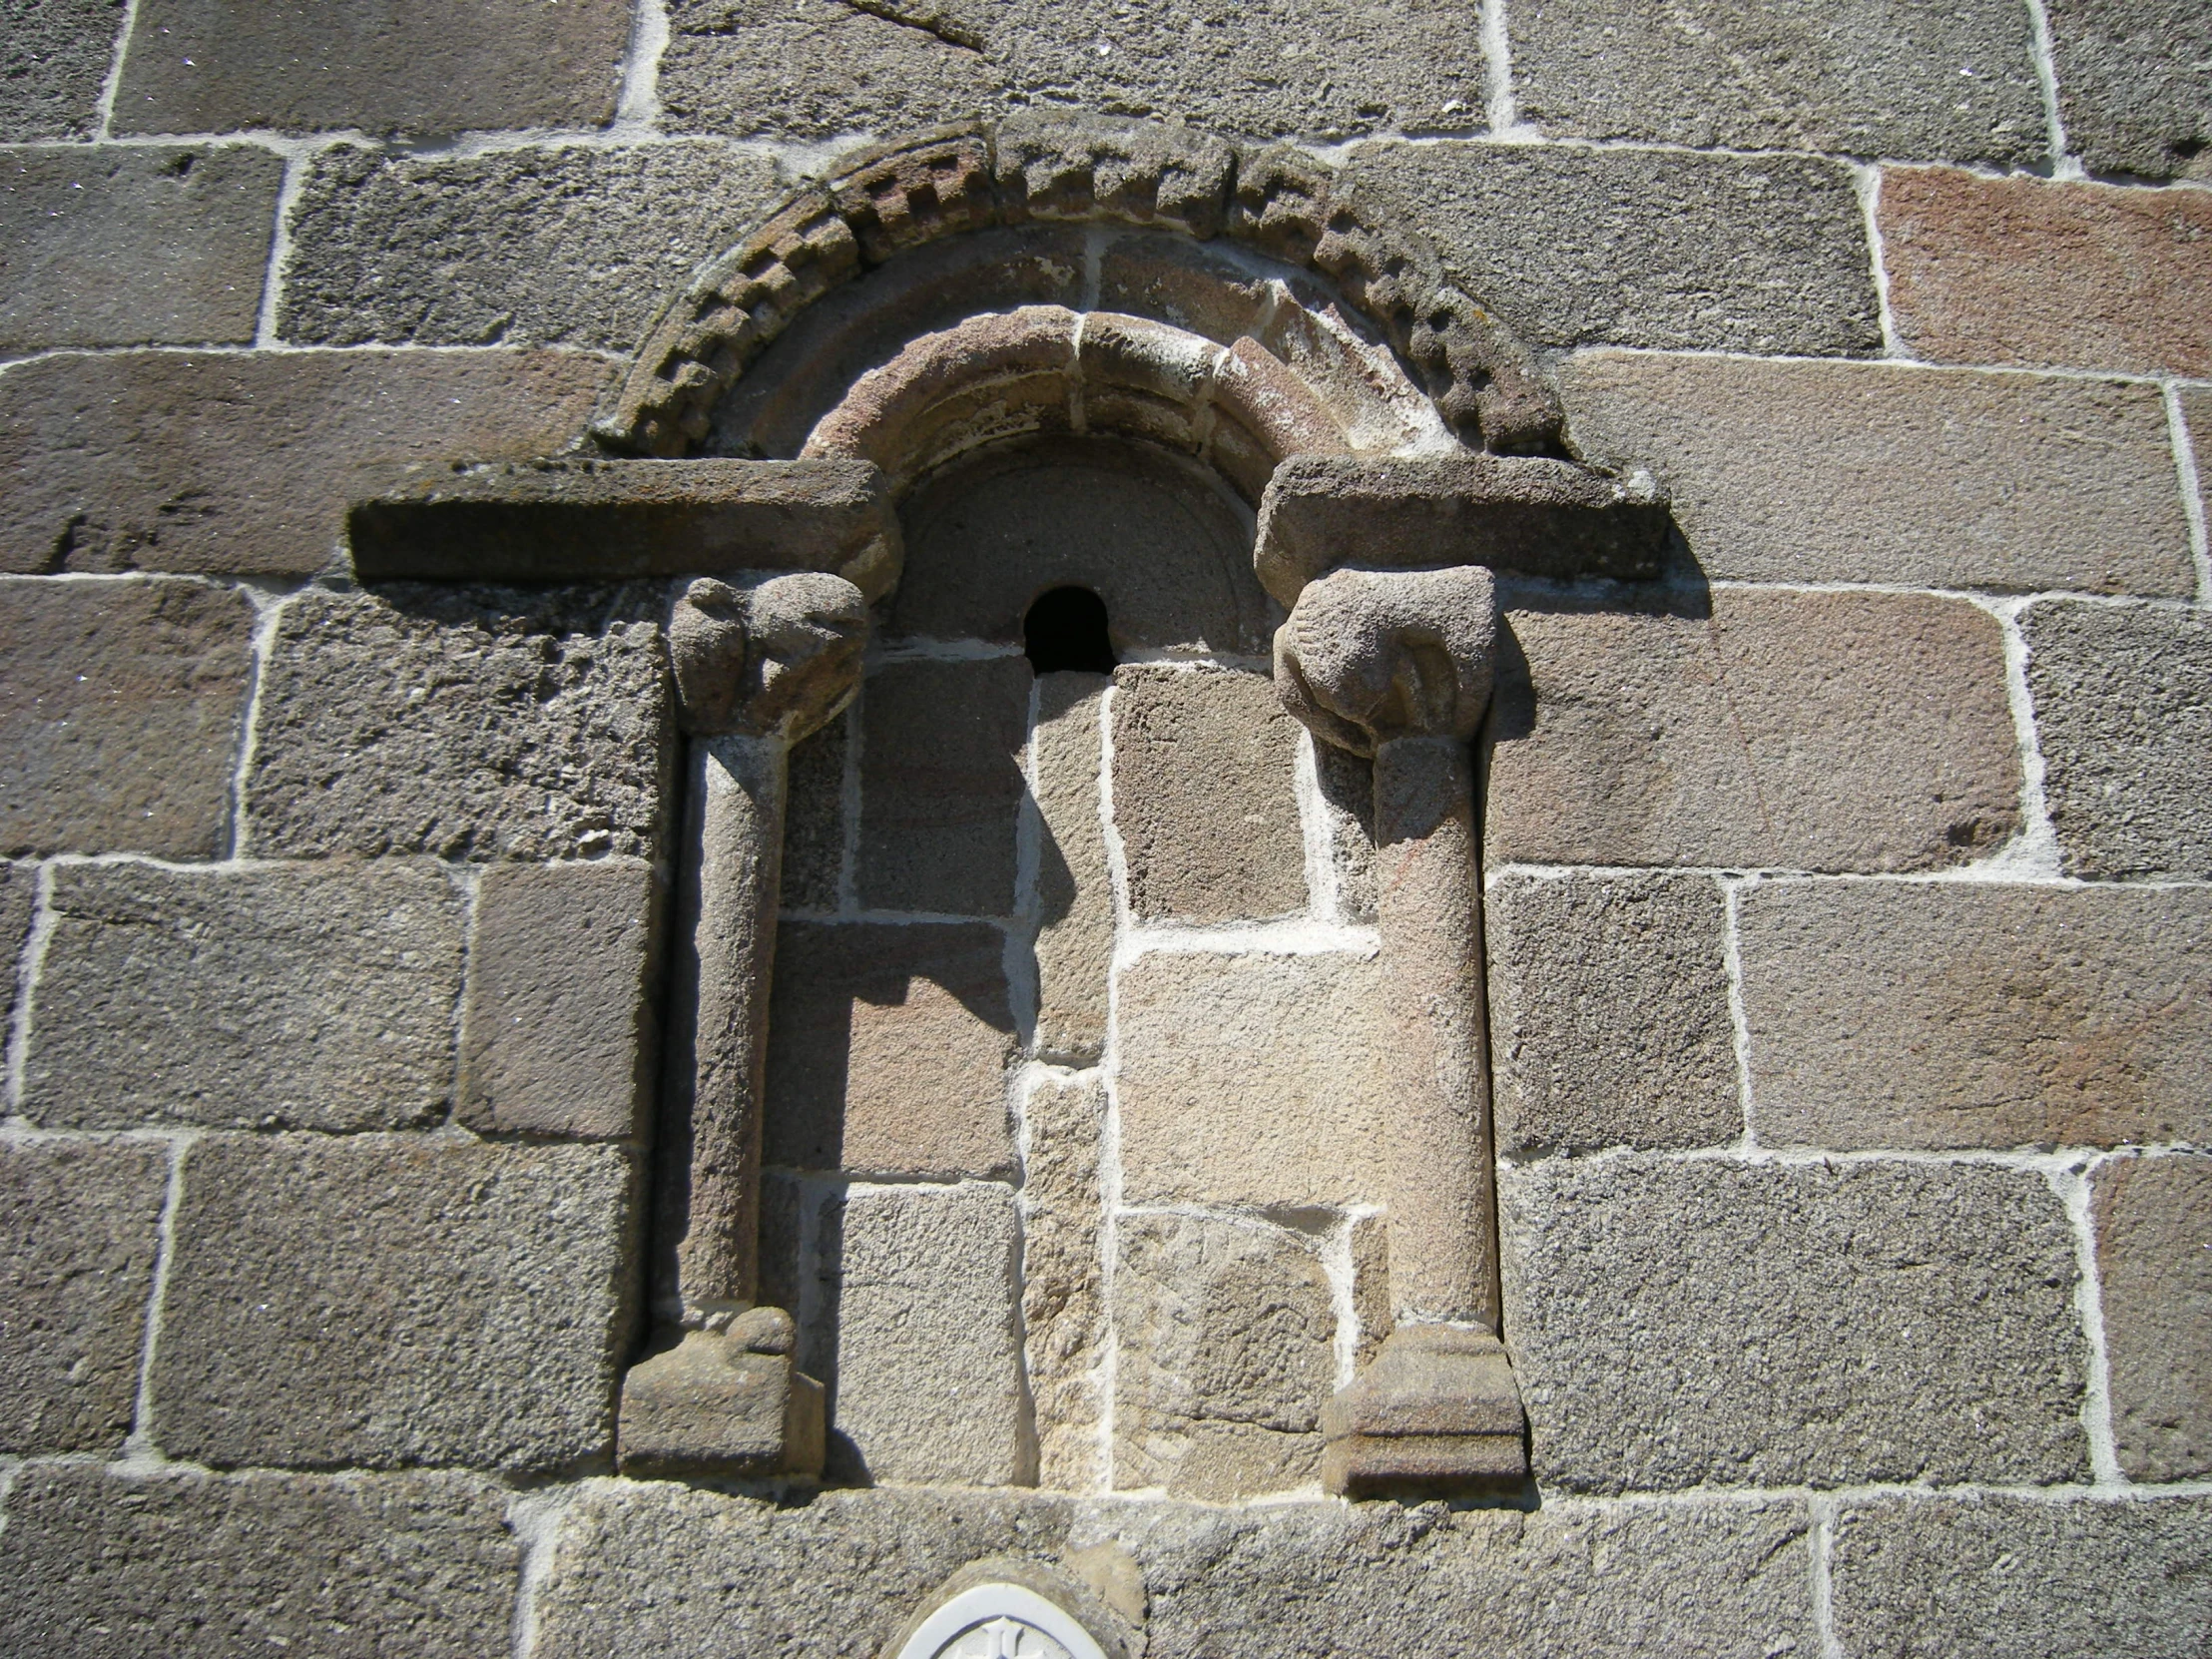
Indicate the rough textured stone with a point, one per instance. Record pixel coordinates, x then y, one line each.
2023 270
53 64
557 1027
941 784
100 1562
1063 1315
1862 79
381 1302
2014 1578
1902 1014
1610 1016
225 461
418 66
2123 714
573 246
1225 1345
466 722
1719 1324
134 247
79 1227
815 820
1074 899
1311 67
888 1049
2135 84
311 997
1812 730
1252 1079
1863 473
120 716
928 1383
18 900
1204 795
1648 248
2154 1259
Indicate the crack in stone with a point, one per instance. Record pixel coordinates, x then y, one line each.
932 22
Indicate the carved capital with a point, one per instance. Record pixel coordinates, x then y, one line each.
775 656
1371 656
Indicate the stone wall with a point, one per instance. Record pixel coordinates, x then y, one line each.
1849 899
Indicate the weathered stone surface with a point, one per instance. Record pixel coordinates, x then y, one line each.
243 463
1310 67
1205 795
888 1049
53 64
1436 1410
1720 1323
120 716
2154 1259
79 1226
2123 714
416 67
929 1371
381 1301
102 1563
572 246
1063 1313
718 1404
2135 85
941 784
1902 1014
18 899
1252 1079
1074 893
557 1026
311 997
1812 730
2014 1578
1859 79
1225 1352
465 722
1865 472
1648 248
2019 269
813 819
1610 1016
134 247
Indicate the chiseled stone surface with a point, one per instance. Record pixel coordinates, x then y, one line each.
1205 795
384 66
888 1049
465 723
305 996
52 66
101 1561
135 247
2135 84
575 247
1225 1345
2154 1262
1609 1017
941 784
1868 472
1063 1315
1651 248
557 1033
79 1225
1718 1323
18 900
2019 269
1074 896
381 1302
1813 730
2015 1578
1859 79
814 818
120 716
929 1375
1252 1079
1907 1016
2123 714
243 463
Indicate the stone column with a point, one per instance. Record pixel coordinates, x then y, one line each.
757 666
1396 665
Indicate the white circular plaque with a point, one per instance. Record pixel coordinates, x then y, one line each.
1000 1621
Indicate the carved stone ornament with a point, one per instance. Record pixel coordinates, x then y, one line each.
1369 656
778 656
1017 1609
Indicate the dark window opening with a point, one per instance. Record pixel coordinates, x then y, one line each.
1066 629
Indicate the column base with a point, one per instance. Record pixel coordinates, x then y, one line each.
725 1402
1436 1414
